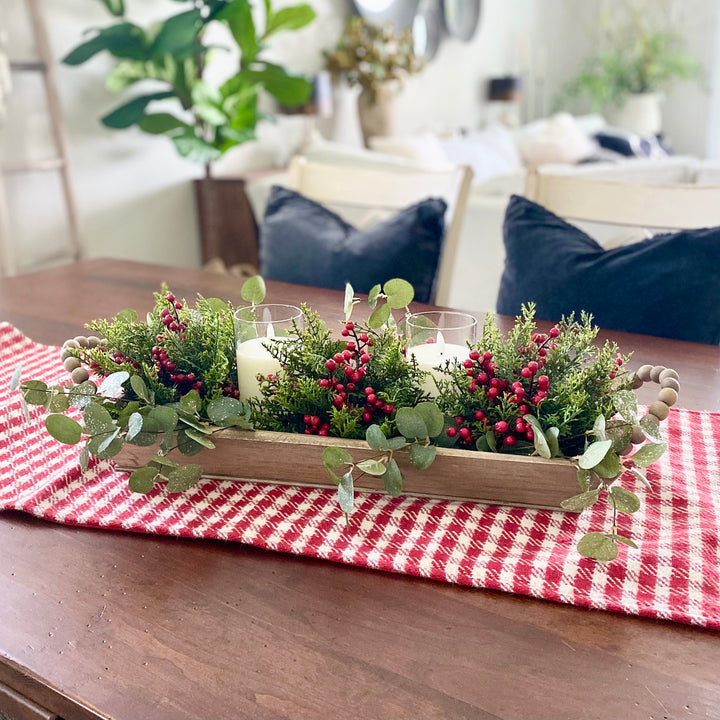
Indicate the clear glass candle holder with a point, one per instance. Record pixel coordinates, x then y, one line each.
436 337
257 328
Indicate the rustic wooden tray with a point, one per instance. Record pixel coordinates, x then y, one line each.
290 459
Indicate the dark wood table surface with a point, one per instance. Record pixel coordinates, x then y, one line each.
111 624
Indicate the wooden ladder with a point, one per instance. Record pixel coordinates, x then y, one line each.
59 163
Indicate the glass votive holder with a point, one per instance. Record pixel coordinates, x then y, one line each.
436 337
257 328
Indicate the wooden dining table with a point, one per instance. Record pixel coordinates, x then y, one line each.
105 624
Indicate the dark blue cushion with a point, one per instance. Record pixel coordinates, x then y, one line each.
668 285
303 242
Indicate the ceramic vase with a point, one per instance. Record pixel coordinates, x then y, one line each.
640 114
378 116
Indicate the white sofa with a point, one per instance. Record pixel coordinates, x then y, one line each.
481 254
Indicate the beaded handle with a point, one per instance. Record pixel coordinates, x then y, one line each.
669 382
71 363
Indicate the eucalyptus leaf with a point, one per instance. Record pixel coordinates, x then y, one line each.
594 454
551 435
191 402
624 500
491 440
648 454
619 432
482 444
376 439
84 458
194 423
204 440
142 480
139 388
625 402
584 477
379 316
113 383
135 424
640 475
335 456
623 540
422 456
609 467
346 492
651 429
400 293
598 546
432 416
80 395
396 443
163 461
371 467
15 379
392 479
410 423
599 427
253 290
183 477
222 408
186 445
25 410
35 392
128 315
540 441
58 400
97 419
63 428
373 296
577 503
348 302
105 444
217 305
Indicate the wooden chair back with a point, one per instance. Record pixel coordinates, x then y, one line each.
626 203
390 190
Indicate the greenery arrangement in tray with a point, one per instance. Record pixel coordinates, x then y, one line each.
170 380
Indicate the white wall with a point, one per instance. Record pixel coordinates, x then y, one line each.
134 194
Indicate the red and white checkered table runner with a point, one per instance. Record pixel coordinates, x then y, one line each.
674 574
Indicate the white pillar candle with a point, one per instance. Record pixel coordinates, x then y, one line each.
253 358
430 356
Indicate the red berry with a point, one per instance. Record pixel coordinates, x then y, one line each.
493 392
543 382
509 440
465 433
369 391
459 420
530 434
338 401
330 365
611 376
467 363
315 420
389 409
526 372
351 387
542 352
350 345
324 382
306 419
323 432
344 332
474 355
356 377
371 398
554 332
483 378
367 417
170 297
533 366
349 325
178 306
501 426
479 415
451 432
349 370
364 358
363 337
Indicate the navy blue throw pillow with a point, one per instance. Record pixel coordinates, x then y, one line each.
668 285
305 243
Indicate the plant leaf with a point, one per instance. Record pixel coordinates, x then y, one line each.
433 418
346 492
161 124
584 477
191 403
624 500
625 403
253 290
379 316
15 379
204 440
142 480
132 112
422 456
400 293
186 445
551 436
348 301
183 477
648 454
373 296
392 479
376 439
640 475
105 444
594 454
289 18
371 467
335 456
410 423
578 503
598 546
135 423
84 458
222 408
609 466
619 432
623 540
651 429
139 388
63 429
599 427
35 392
113 383
395 443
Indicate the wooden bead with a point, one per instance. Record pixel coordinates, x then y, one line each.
638 436
65 354
82 341
670 383
668 396
636 382
72 363
654 418
71 344
79 375
627 449
93 341
655 373
669 373
644 372
659 409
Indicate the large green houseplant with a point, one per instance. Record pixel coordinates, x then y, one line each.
637 57
167 64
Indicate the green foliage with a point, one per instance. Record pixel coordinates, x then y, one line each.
206 120
635 55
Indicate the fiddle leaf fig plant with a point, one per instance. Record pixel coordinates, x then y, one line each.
169 63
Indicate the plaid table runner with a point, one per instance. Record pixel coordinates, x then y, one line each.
674 574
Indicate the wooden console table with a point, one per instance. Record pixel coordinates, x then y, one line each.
100 624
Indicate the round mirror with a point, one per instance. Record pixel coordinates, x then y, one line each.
399 12
427 29
461 18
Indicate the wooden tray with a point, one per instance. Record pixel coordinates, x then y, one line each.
293 459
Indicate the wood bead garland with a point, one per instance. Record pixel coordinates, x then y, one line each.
669 382
71 362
